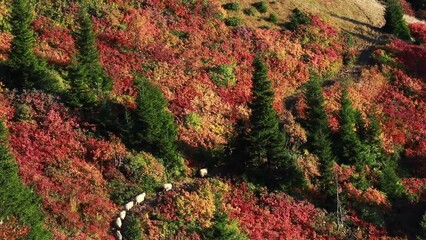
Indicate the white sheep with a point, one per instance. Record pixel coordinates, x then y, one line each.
122 214
129 205
203 172
119 236
140 198
118 222
167 186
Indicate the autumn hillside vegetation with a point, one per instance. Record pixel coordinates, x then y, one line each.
308 130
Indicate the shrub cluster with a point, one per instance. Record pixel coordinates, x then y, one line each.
298 18
231 6
233 21
261 6
223 75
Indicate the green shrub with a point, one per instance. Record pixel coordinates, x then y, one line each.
297 18
233 21
23 112
181 34
193 120
231 6
251 11
272 18
261 6
223 75
132 229
145 170
122 192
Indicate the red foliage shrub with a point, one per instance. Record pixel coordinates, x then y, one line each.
275 216
53 43
192 41
50 149
11 230
404 109
416 186
411 56
5 43
407 8
418 31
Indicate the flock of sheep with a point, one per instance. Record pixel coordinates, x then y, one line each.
138 200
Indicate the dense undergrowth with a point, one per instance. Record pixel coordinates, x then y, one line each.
178 63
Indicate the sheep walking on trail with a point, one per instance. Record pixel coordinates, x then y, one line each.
129 205
122 215
119 236
167 186
203 172
140 198
118 222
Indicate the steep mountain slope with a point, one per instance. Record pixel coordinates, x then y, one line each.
83 165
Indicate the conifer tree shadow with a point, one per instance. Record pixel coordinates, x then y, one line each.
357 22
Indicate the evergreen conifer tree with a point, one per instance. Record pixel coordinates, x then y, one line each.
389 181
352 150
319 142
88 80
395 22
267 154
224 229
23 64
154 128
16 199
349 140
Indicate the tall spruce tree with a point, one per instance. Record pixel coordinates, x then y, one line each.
395 23
23 64
268 157
349 141
319 142
88 80
352 150
154 128
389 181
15 199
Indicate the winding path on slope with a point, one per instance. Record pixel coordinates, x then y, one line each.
140 201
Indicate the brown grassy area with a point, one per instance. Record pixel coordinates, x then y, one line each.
362 18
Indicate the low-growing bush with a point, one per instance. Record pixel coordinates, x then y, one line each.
261 6
297 18
272 18
181 34
132 227
223 75
193 120
233 21
231 6
122 192
145 170
251 11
